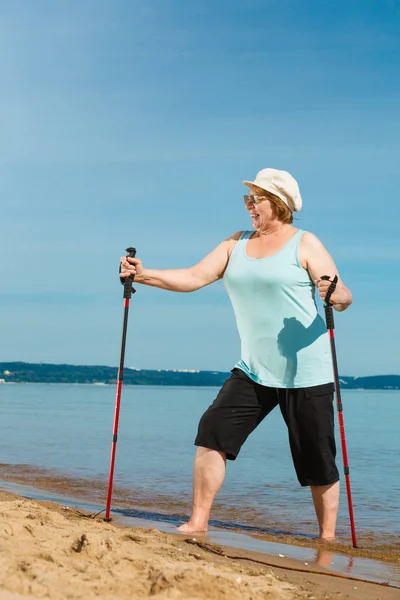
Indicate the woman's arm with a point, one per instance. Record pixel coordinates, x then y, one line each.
316 259
208 270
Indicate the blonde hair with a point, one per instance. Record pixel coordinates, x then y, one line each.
283 212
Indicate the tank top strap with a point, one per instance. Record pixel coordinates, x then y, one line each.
292 247
239 247
293 244
246 235
294 241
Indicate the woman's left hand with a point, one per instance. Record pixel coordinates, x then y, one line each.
338 296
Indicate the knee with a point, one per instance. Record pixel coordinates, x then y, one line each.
328 495
203 452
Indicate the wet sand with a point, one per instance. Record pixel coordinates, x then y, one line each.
50 550
163 508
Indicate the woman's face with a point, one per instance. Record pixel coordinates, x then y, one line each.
263 213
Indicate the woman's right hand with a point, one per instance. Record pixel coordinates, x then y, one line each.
131 267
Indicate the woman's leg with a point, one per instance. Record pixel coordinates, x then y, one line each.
208 475
308 413
326 504
239 407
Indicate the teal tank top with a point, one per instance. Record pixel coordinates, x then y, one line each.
284 340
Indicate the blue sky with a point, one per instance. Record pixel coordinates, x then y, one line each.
133 123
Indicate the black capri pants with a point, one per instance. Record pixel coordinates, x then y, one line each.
242 404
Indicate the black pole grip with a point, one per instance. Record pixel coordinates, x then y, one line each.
330 322
331 288
128 281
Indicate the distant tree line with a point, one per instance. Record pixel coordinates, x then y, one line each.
20 372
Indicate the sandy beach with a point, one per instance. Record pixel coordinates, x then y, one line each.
51 551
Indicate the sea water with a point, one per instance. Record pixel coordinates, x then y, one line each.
62 433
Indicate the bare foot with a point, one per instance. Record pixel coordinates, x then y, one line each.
189 528
329 540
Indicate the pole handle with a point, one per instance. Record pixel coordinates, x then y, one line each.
331 288
330 322
128 281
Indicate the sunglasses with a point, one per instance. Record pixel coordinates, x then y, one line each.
252 200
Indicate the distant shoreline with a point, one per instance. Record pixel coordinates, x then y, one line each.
21 372
133 385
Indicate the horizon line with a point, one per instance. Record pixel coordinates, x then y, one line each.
190 371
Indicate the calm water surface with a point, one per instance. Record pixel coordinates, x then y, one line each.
66 430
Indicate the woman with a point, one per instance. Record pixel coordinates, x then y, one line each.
271 275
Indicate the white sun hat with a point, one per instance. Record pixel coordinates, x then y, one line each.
280 183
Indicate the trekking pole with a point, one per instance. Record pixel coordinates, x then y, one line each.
330 325
128 291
